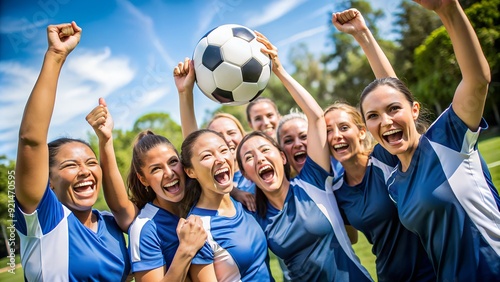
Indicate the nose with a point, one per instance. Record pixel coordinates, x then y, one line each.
167 172
336 133
386 120
84 170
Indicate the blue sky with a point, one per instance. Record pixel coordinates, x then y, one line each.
129 48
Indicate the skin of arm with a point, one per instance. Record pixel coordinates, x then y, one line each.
352 22
115 192
184 77
32 166
202 273
192 236
317 148
470 95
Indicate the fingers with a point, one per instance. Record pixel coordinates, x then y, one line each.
183 68
345 16
97 117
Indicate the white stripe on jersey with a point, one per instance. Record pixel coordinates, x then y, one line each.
35 245
472 192
327 204
145 215
227 269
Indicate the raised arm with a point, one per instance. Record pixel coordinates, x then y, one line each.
32 167
317 148
352 22
470 95
184 81
115 192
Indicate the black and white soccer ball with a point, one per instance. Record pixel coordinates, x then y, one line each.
229 65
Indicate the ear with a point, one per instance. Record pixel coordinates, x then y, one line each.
142 179
415 111
283 156
190 172
362 133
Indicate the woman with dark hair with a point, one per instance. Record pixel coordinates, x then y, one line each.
299 216
362 192
161 242
237 248
442 186
62 237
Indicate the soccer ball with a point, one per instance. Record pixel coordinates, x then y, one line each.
230 68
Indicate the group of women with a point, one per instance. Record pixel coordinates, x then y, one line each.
422 196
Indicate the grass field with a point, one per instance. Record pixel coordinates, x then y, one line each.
489 148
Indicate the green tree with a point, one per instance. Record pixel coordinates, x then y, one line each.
436 67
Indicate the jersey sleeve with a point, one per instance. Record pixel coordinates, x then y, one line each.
45 218
450 131
315 175
145 249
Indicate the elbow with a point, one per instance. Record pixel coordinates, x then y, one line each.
29 140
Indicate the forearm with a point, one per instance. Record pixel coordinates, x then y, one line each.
379 62
115 192
38 111
470 57
188 117
180 264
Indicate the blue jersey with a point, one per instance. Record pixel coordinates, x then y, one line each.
236 246
337 168
367 207
242 183
56 246
446 197
153 238
309 233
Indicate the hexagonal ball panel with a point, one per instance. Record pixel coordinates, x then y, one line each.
236 51
227 76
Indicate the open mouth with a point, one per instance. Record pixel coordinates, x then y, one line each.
393 136
173 186
340 147
266 172
300 157
84 189
222 175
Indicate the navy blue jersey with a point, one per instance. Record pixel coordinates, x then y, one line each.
236 246
367 207
447 198
309 234
56 246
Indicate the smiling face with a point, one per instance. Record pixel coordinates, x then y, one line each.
75 176
293 140
263 163
390 118
345 138
231 132
264 117
212 164
162 171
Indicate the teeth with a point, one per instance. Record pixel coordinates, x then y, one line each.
171 183
222 170
338 146
86 183
264 168
300 153
391 132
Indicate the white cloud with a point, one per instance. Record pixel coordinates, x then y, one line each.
86 76
273 11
